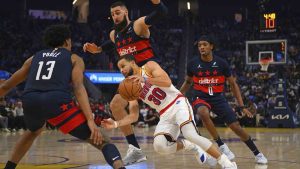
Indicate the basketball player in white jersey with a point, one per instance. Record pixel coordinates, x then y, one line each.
175 114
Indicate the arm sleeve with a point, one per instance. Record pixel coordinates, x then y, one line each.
160 12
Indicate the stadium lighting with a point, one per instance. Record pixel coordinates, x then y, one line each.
188 4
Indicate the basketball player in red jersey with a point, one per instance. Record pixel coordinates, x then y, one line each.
208 73
130 37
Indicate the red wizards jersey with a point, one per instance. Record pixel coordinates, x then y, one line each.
208 77
128 42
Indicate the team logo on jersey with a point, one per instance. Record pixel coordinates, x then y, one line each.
199 66
125 51
208 81
215 64
129 30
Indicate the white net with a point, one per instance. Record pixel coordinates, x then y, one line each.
264 63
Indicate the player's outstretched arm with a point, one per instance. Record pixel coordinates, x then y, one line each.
18 77
105 47
186 84
132 117
160 11
82 97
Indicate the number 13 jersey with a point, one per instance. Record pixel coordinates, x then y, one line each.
50 69
159 98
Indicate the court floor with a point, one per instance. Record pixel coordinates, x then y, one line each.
53 150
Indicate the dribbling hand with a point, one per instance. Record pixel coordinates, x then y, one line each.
137 78
96 136
91 47
109 123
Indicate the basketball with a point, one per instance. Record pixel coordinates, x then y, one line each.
129 89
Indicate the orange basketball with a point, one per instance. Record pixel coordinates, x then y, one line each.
129 89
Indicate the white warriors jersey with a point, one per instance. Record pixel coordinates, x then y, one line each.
159 98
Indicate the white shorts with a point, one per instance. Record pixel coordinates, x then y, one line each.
179 114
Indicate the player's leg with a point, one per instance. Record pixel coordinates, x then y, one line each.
110 152
134 154
21 147
35 122
203 109
229 118
245 137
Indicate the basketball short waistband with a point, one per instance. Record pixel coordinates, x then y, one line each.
170 104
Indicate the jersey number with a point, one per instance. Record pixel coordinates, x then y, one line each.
156 96
50 67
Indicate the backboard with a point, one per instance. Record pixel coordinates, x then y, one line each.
275 50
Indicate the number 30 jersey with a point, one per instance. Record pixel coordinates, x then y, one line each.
159 98
50 69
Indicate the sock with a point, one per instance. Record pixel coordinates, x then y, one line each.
252 146
132 140
111 153
219 141
10 165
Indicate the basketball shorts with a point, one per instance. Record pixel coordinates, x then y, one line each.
58 109
217 105
171 121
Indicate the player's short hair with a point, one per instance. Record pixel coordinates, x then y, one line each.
118 3
56 35
206 38
127 58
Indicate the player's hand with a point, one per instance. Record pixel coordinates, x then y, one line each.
155 1
138 79
92 48
96 136
247 112
109 123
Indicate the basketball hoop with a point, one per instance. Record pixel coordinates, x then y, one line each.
264 63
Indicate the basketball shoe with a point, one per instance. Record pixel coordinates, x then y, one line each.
261 159
134 155
225 150
201 156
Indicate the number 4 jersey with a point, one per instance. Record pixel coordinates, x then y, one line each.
159 98
51 69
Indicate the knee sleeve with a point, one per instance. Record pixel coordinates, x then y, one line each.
111 154
163 146
189 132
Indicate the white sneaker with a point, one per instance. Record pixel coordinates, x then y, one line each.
134 155
226 163
201 156
225 150
261 159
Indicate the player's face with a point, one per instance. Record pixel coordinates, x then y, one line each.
126 67
205 48
118 14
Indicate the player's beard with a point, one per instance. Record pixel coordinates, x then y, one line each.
120 26
129 73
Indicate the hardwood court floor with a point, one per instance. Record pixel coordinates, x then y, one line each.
53 150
